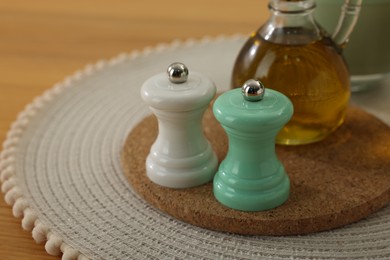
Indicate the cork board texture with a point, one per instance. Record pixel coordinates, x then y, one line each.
335 182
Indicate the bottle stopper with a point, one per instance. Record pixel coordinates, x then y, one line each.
251 177
181 156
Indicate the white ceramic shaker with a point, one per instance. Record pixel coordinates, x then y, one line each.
181 156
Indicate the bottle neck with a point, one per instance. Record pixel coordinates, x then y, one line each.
291 23
292 6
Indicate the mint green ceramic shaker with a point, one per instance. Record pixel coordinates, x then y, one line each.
251 177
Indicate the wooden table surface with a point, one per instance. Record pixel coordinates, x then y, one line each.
43 41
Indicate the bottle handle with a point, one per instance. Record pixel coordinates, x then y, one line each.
347 21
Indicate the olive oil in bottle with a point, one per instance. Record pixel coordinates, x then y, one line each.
313 76
292 54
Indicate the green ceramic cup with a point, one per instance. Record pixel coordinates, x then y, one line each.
368 50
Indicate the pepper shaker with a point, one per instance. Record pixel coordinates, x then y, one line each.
251 177
181 156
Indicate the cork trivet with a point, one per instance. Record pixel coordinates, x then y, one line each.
335 182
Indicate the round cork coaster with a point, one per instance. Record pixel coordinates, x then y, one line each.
335 182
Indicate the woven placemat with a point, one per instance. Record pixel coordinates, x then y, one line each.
333 183
60 170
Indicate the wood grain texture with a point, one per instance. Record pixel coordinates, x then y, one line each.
43 41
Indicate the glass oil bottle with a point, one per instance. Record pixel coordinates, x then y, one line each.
292 54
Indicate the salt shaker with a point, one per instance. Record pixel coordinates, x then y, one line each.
181 156
251 177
